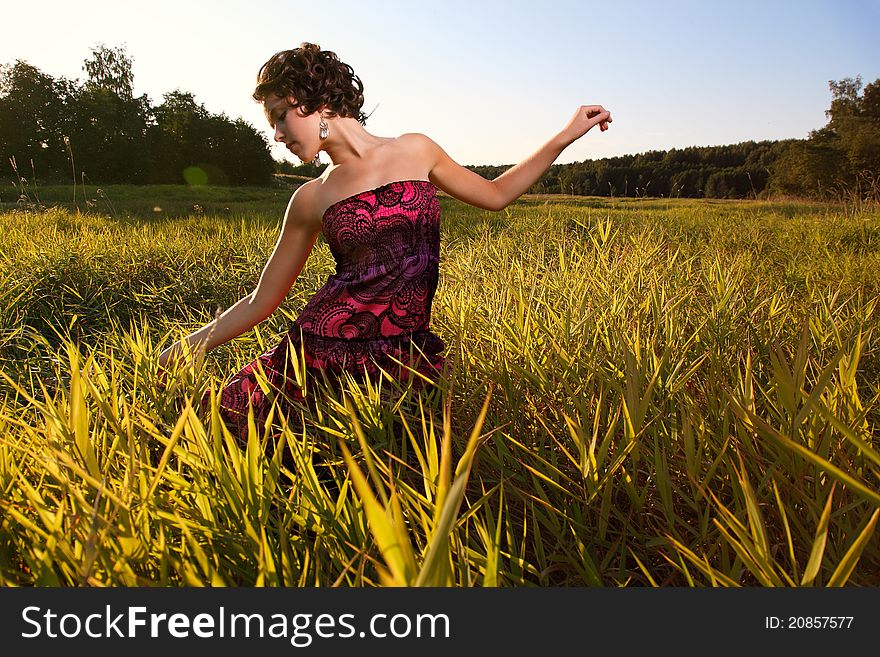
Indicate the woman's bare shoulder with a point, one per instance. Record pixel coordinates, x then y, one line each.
420 148
304 204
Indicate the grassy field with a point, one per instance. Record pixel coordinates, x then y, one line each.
646 392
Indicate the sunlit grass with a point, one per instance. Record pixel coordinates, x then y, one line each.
639 393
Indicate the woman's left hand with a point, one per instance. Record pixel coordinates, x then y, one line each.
584 119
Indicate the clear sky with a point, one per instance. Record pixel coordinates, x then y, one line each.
492 80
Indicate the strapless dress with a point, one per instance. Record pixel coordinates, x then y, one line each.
374 311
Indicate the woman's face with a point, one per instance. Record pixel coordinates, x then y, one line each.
299 133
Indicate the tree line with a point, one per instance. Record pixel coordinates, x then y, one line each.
98 131
735 171
840 159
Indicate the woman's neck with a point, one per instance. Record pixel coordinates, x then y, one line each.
349 141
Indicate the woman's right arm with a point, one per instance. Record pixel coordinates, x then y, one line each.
298 236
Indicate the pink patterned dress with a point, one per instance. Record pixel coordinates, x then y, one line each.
386 243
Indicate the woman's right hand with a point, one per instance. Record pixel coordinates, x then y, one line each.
167 355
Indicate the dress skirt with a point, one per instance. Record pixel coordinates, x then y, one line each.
326 360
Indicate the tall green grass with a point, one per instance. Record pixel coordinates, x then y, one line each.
655 392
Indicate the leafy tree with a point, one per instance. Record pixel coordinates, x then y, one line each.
855 119
870 101
309 169
190 144
838 156
180 126
285 166
252 159
110 69
34 112
844 103
109 125
114 136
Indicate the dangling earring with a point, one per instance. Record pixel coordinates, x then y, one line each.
323 134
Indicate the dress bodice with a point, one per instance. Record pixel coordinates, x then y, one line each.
386 244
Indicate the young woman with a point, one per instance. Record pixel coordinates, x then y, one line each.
377 207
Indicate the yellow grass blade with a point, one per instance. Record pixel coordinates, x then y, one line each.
850 559
753 420
398 554
446 515
818 548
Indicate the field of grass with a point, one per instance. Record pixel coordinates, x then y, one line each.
647 392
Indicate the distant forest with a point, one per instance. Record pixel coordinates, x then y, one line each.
96 131
841 159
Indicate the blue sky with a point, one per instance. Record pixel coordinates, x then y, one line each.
491 81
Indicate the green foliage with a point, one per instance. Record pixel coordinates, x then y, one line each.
99 132
187 136
107 135
842 159
735 171
110 69
34 119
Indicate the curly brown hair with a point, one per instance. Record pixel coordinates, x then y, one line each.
314 77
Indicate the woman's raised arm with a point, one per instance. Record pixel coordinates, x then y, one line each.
467 186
